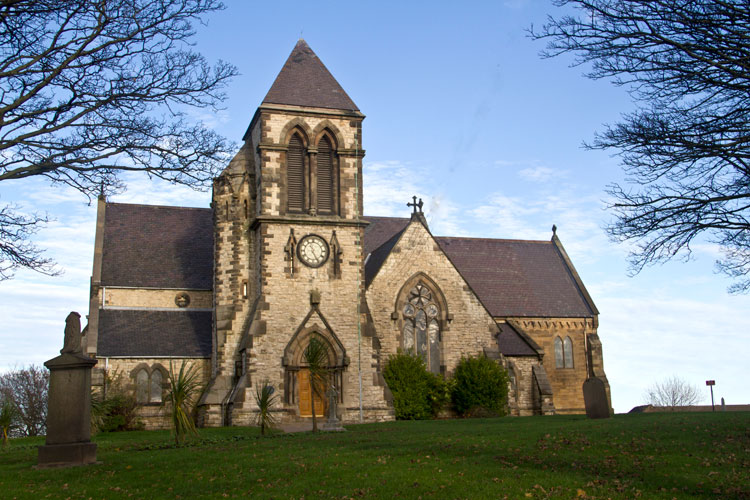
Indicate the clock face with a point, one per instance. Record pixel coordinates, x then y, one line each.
312 250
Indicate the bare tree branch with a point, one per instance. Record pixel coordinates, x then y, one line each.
686 149
90 89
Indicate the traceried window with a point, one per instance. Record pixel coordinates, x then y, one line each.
148 386
563 353
325 184
295 174
421 326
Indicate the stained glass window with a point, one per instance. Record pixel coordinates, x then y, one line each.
421 326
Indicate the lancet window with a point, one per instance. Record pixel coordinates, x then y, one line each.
295 174
422 326
311 175
325 173
563 352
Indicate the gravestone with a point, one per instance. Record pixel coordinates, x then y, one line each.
595 398
332 423
68 439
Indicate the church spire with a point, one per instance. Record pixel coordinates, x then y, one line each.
305 81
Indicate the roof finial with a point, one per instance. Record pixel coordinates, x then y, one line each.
417 205
101 190
554 230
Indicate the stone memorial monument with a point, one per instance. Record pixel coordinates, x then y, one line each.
595 398
68 440
332 423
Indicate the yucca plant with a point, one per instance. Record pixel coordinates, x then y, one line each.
316 357
184 388
8 419
265 399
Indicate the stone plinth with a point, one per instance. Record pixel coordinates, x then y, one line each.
68 440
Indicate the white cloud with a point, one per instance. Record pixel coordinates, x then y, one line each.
540 174
153 191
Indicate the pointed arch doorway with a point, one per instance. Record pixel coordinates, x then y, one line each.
297 387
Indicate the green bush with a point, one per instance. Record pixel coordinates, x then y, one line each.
116 409
480 387
417 393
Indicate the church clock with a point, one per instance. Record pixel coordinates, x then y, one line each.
312 250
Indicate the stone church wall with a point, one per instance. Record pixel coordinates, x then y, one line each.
566 383
153 298
466 326
287 300
522 401
123 370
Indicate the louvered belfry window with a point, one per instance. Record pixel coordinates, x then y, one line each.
295 174
325 176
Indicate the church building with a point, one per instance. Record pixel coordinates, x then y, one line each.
286 252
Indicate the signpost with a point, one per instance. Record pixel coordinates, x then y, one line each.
711 384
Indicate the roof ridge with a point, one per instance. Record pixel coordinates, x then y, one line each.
156 206
492 239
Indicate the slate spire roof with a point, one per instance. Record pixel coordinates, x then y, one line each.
305 81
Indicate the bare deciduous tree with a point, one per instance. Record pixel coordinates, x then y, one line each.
27 389
671 393
90 89
686 149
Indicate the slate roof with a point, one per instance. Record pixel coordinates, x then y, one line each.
153 334
517 278
512 343
512 278
157 246
382 229
305 81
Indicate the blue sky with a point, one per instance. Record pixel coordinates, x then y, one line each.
462 112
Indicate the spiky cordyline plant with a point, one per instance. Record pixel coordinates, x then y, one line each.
265 399
184 387
8 416
316 357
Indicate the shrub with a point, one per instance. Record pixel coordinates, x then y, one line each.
480 387
116 409
417 393
8 419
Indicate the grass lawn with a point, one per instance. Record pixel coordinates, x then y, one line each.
683 455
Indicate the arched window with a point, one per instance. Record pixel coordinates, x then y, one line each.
325 179
295 174
568 352
141 386
156 386
421 326
148 386
563 353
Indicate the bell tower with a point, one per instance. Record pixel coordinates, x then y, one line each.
296 266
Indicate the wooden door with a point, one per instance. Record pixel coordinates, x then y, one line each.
305 396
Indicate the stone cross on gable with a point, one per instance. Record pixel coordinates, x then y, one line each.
416 205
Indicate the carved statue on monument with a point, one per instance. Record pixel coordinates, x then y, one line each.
72 342
68 440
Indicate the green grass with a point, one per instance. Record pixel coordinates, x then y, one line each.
684 455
